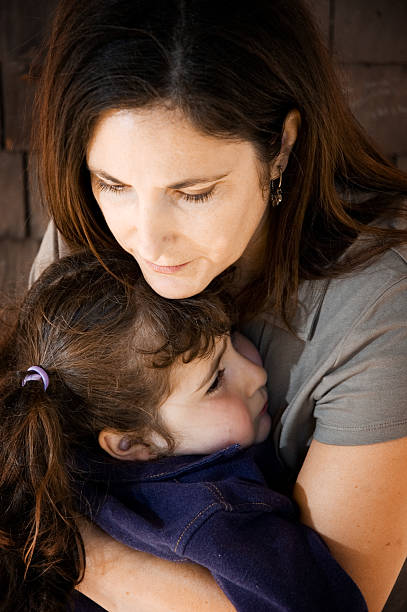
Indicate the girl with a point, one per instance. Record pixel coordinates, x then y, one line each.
202 136
148 381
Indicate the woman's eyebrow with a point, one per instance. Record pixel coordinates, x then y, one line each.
214 366
106 176
195 181
182 184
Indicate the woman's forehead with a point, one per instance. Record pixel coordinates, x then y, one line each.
161 141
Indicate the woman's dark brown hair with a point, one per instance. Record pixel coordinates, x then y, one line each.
107 343
235 68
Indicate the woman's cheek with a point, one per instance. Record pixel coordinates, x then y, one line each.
120 224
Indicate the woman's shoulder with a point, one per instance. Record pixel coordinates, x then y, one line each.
341 377
364 295
333 306
382 282
343 298
52 248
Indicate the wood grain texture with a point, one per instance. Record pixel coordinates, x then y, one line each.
18 100
378 98
320 10
38 217
402 162
15 263
24 24
12 204
371 31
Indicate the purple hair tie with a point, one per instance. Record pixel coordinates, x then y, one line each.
40 374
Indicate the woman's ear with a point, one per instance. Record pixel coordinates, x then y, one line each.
121 446
292 124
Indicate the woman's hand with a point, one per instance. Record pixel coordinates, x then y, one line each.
121 579
356 498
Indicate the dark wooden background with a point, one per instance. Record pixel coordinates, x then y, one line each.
367 37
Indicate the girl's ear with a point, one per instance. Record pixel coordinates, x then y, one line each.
120 446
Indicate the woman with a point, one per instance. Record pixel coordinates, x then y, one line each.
207 138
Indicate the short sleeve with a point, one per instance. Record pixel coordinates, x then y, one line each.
362 399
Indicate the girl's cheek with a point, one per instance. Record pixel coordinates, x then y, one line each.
238 414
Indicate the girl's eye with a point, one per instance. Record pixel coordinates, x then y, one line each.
198 197
108 187
217 382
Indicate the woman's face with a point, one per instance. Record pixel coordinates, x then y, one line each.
184 204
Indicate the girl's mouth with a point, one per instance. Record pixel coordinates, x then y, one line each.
265 408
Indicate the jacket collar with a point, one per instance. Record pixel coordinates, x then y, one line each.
99 469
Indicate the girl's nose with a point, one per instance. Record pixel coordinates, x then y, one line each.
256 377
254 374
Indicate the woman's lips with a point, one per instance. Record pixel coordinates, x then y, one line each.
165 269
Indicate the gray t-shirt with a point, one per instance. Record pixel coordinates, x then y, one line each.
343 379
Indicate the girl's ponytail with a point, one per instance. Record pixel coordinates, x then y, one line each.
41 551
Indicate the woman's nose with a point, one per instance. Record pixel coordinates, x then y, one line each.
154 233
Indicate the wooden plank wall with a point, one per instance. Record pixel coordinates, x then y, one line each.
366 37
22 221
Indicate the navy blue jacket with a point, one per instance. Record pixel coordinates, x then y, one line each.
218 511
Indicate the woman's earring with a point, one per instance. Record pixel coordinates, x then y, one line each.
276 196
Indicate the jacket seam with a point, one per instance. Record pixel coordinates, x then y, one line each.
191 523
248 506
218 494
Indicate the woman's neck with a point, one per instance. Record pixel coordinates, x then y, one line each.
251 264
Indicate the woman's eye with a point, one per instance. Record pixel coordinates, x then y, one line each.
217 382
197 197
108 187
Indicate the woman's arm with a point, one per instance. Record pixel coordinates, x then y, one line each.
265 559
356 498
121 579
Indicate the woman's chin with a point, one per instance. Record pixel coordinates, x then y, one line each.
174 288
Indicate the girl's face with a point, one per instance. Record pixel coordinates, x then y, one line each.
184 204
218 401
